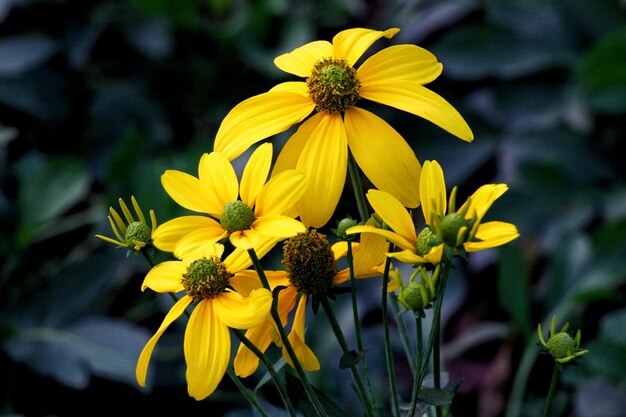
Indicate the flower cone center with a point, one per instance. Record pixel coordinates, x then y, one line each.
333 85
451 224
561 345
236 216
310 262
137 232
205 278
426 240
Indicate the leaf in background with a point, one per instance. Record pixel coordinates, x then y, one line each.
48 186
513 288
21 53
601 75
298 395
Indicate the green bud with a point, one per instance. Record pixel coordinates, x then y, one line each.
236 216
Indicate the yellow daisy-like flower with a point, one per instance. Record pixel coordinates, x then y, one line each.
134 233
249 212
394 76
310 270
213 287
444 226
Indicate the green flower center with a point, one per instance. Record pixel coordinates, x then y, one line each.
412 297
426 239
333 85
137 232
344 225
561 345
450 226
236 216
205 278
310 263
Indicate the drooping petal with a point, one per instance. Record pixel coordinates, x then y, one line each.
218 173
278 226
296 87
255 173
301 60
240 312
351 44
260 117
207 350
432 191
305 355
165 277
280 193
196 241
289 155
383 155
324 161
393 213
407 257
392 237
189 192
400 62
492 234
168 234
420 101
246 362
245 239
245 281
482 199
175 312
369 254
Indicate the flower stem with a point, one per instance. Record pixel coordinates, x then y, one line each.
553 383
357 186
270 368
246 393
287 344
365 398
420 348
404 335
395 405
437 363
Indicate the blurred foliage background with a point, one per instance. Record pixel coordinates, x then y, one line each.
98 98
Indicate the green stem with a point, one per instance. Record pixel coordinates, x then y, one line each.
437 363
286 343
148 257
395 405
357 186
404 335
431 336
246 393
277 381
365 398
420 348
553 383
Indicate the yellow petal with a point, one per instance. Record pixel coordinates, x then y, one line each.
245 239
246 362
278 226
291 151
369 254
304 354
392 237
260 117
393 213
255 173
168 234
324 161
239 259
165 277
216 171
240 312
418 100
340 248
144 358
246 281
350 44
408 257
383 155
301 60
492 234
280 193
196 241
400 62
207 350
432 191
296 87
190 193
482 199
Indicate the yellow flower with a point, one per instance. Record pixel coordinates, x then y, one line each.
136 232
313 273
213 287
250 212
456 229
394 76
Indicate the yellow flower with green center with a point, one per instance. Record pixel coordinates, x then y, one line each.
456 229
563 347
333 86
213 287
310 270
132 233
251 212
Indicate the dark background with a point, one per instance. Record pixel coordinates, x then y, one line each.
98 98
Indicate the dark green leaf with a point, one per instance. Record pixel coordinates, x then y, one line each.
299 397
513 278
350 359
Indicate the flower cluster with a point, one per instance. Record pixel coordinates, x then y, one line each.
215 250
